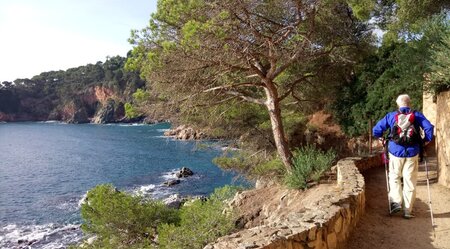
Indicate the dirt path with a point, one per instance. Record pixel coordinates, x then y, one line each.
379 230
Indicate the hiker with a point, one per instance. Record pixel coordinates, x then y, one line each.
403 146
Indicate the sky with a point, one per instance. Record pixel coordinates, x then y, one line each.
44 35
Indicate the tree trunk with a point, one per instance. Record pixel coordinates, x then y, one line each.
273 106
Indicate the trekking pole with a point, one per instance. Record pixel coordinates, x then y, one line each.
429 197
385 159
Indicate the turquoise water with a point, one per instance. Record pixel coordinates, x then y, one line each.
46 168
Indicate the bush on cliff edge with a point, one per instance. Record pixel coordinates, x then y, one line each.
121 220
309 166
201 222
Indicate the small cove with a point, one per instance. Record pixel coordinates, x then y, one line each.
46 168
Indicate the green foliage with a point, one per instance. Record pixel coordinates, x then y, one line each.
271 167
394 69
252 165
400 18
201 222
121 220
309 165
207 57
362 8
130 111
141 95
439 65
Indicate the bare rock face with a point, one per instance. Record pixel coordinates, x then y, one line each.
5 117
184 132
174 201
74 112
105 114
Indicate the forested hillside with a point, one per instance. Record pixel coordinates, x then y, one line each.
77 95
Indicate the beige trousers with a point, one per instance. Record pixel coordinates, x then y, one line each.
406 167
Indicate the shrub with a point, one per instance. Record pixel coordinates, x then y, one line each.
251 165
130 111
201 222
272 167
309 164
122 220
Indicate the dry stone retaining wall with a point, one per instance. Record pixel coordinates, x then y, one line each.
443 137
324 224
436 109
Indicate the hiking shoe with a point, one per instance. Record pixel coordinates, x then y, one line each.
408 215
395 208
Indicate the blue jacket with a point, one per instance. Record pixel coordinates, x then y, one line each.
388 122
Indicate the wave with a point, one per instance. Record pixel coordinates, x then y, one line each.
132 124
153 191
145 190
51 122
169 138
160 190
82 200
39 236
170 175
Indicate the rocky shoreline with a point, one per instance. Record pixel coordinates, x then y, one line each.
184 132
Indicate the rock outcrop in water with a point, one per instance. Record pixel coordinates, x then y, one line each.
184 172
171 182
184 132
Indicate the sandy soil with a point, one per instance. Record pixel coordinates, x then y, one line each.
270 204
379 230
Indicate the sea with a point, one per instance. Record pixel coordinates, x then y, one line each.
46 168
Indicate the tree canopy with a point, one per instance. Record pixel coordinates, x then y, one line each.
262 52
403 66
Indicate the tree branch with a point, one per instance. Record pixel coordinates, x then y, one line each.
296 56
246 98
233 86
294 83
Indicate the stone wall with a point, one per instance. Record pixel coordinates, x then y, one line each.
443 137
430 111
429 107
322 224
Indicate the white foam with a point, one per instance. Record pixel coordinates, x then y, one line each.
82 200
162 130
61 235
227 148
50 122
170 175
132 124
147 188
166 137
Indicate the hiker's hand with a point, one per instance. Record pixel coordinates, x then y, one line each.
381 141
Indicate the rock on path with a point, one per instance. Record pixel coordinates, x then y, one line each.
379 230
